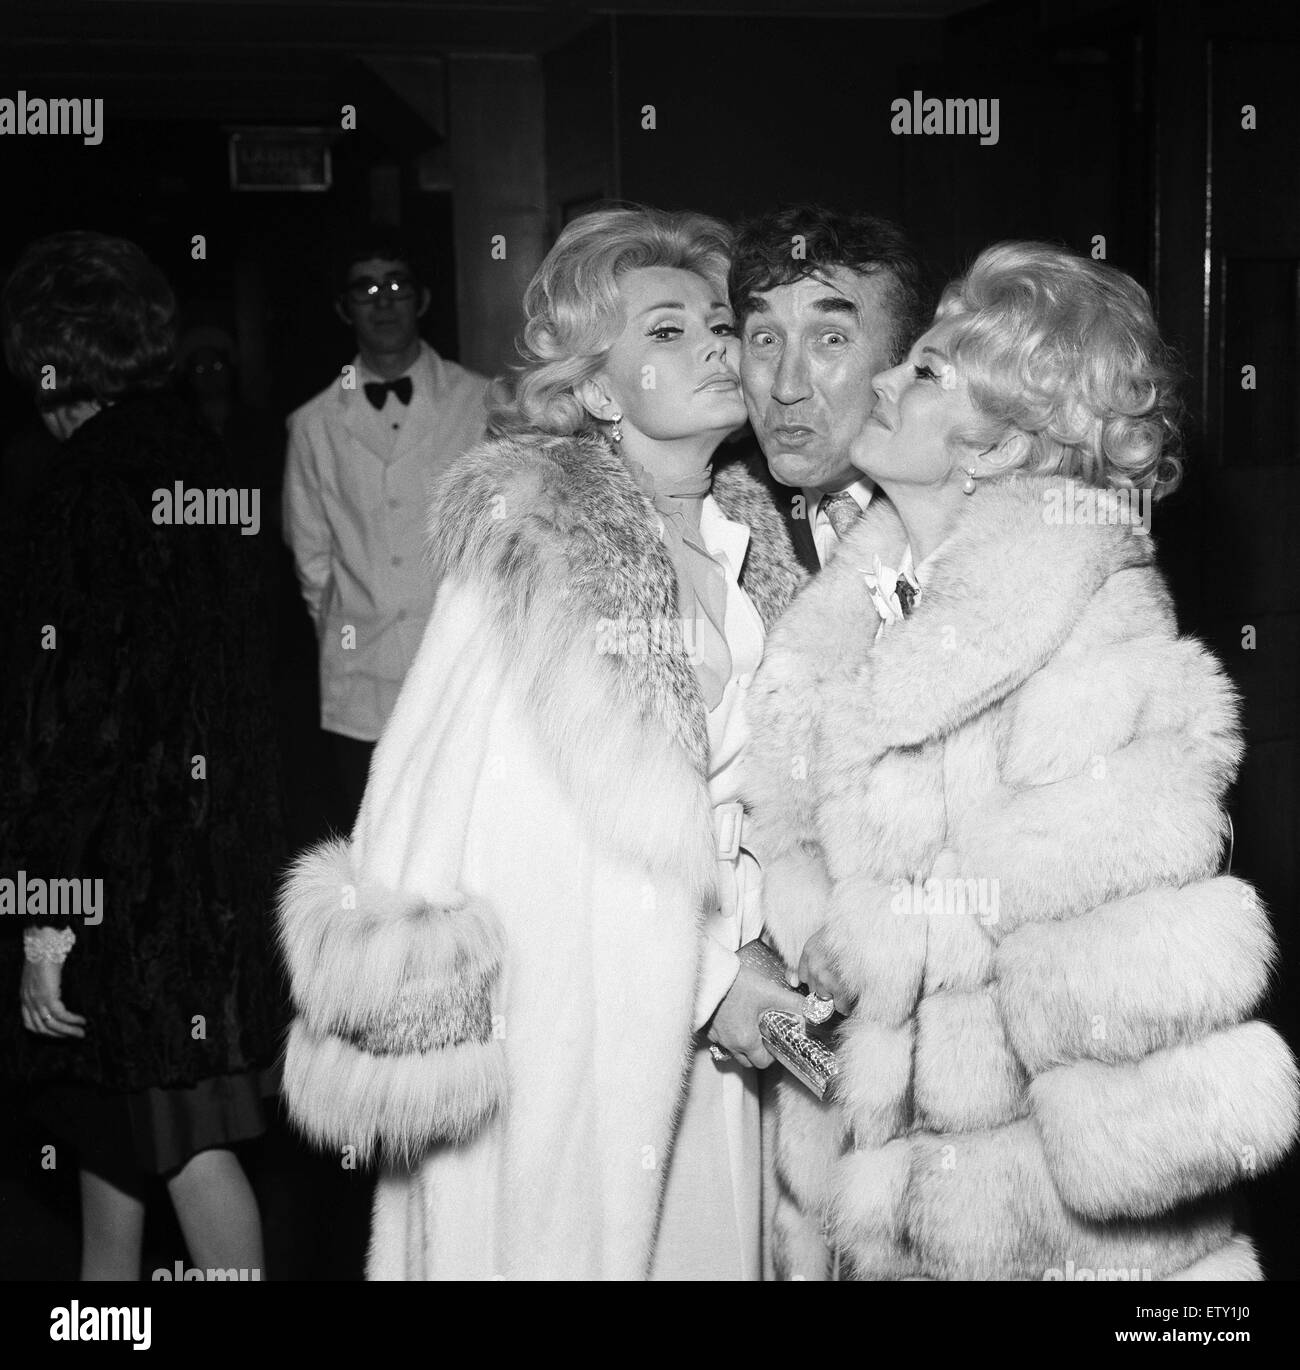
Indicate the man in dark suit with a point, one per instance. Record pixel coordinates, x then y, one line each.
823 301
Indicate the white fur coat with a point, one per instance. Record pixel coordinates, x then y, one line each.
1063 1076
495 977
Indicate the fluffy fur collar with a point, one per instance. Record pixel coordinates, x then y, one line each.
561 518
1002 595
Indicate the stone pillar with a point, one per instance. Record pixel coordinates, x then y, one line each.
496 141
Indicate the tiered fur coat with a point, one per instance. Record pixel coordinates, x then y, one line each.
495 977
1063 1082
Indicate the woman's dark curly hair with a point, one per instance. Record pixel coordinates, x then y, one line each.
93 308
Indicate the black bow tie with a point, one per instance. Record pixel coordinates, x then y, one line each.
377 391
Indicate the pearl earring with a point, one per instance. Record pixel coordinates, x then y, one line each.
616 432
969 487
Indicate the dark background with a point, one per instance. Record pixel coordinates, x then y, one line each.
1121 121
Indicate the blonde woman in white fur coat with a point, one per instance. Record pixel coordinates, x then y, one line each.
988 776
508 980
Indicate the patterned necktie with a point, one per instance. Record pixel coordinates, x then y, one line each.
377 391
842 510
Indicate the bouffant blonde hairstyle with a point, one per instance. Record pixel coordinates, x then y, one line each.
1066 350
573 312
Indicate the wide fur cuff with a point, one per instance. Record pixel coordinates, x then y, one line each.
1124 1140
342 1096
363 957
394 1046
1135 975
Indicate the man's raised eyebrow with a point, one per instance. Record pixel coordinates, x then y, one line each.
836 304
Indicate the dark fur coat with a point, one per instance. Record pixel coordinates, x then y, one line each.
159 657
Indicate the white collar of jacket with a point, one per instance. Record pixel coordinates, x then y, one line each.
426 371
364 421
564 542
723 537
429 375
1002 595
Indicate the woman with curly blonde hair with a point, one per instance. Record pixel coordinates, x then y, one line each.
988 777
509 978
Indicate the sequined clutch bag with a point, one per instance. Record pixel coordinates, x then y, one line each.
800 1049
802 1042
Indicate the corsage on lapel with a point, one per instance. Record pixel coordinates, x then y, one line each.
893 593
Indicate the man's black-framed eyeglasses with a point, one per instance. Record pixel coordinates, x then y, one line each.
365 289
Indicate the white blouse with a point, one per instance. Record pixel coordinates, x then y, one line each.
738 918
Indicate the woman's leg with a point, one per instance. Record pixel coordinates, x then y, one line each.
217 1212
112 1230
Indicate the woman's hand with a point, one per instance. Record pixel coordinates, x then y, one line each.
817 970
735 1024
42 1002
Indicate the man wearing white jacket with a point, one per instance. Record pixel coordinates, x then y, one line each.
362 457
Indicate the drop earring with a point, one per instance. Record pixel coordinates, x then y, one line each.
969 487
616 432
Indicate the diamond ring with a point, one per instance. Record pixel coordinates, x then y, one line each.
817 1010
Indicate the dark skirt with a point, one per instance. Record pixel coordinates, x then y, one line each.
154 1131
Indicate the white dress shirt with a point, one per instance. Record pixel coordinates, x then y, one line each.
356 496
737 919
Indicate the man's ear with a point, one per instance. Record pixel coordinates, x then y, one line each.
593 394
425 297
341 310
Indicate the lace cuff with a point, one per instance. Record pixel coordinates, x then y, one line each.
48 944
